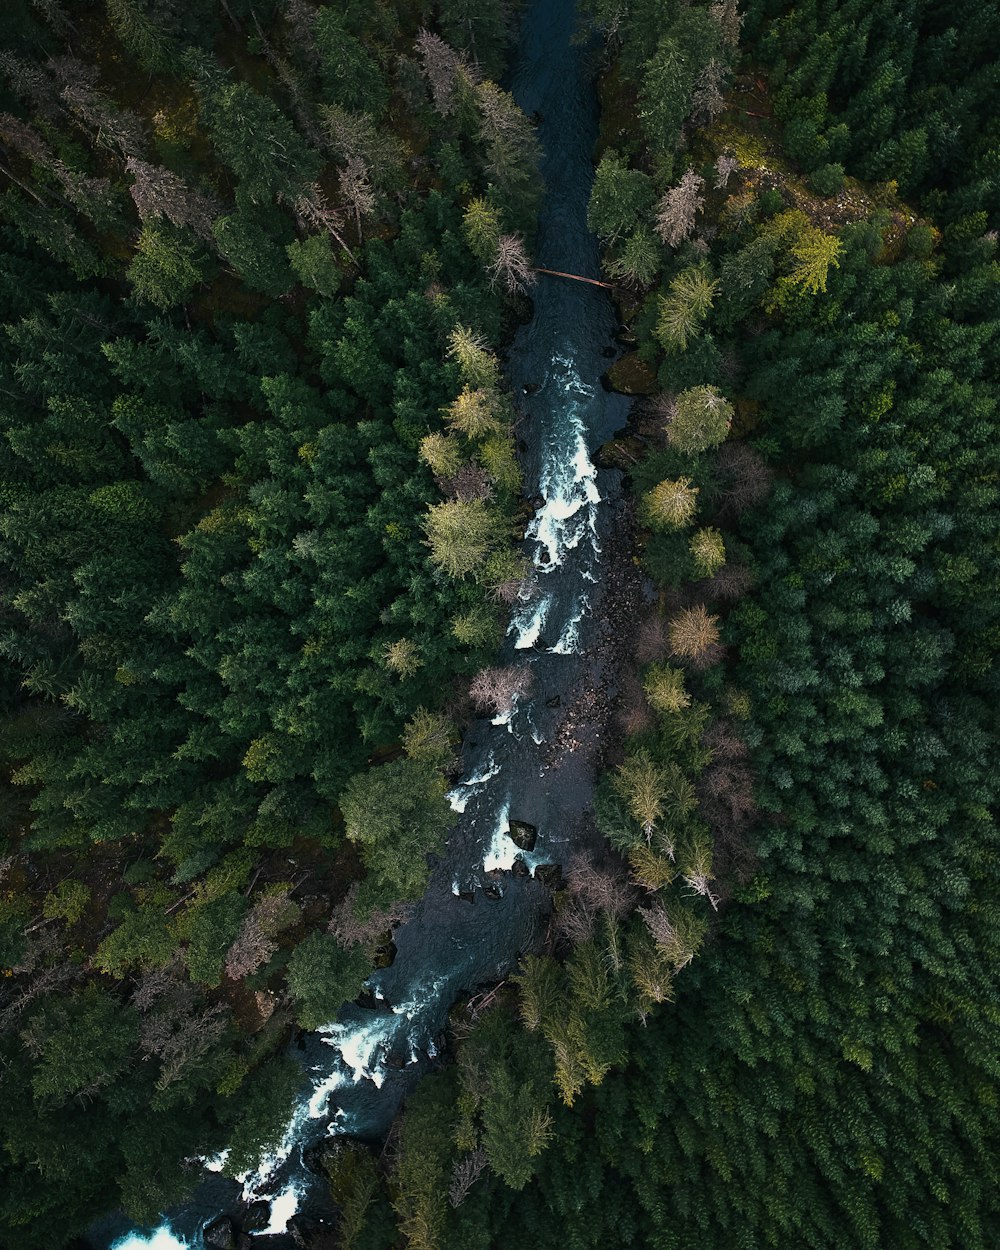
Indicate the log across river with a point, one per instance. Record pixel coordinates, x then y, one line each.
536 764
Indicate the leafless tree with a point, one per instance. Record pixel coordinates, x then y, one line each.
464 1175
632 712
357 190
676 211
32 85
725 167
177 1031
441 63
158 192
470 482
350 930
255 943
496 689
300 18
706 98
312 210
56 16
729 583
651 640
598 887
511 267
666 936
114 128
730 20
749 477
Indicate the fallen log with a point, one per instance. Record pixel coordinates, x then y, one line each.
557 273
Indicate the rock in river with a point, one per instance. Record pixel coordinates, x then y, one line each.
220 1234
522 834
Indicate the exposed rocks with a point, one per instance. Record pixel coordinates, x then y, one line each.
257 1217
522 834
493 892
467 896
555 701
631 376
220 1234
550 875
519 868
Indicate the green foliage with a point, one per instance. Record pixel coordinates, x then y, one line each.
167 265
322 976
702 420
398 814
217 597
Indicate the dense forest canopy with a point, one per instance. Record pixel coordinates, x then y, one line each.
256 260
260 504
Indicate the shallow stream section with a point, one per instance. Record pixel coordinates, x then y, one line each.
482 909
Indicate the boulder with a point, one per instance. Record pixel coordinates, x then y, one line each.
467 896
550 875
522 834
493 893
220 1234
555 701
519 868
258 1217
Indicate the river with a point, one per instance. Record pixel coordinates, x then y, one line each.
536 764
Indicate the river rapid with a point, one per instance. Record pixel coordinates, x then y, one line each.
536 764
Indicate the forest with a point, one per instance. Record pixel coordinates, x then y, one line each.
262 507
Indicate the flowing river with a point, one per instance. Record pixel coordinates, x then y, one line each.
535 765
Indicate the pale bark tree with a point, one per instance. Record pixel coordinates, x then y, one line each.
256 941
311 209
706 99
497 689
464 1175
725 167
730 20
511 267
469 482
350 929
357 189
157 192
441 64
697 872
678 208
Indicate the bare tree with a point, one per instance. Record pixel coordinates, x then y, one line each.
441 64
511 267
598 887
300 17
666 936
749 476
357 189
256 943
496 689
697 872
177 1031
725 166
676 211
351 930
158 192
112 127
471 481
32 85
464 1175
312 210
706 98
726 13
